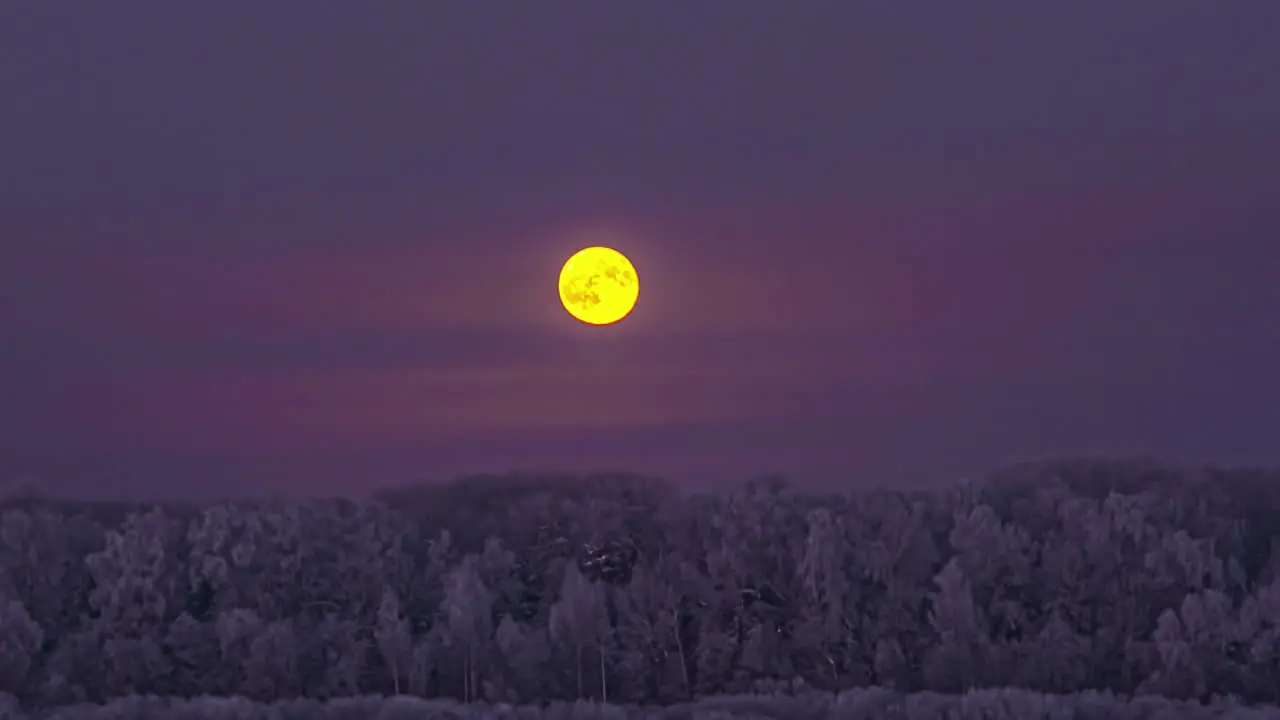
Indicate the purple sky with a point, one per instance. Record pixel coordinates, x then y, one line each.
307 247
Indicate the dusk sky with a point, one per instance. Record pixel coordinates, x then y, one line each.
311 247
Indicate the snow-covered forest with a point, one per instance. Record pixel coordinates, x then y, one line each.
1125 577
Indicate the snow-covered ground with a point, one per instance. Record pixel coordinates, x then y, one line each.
859 704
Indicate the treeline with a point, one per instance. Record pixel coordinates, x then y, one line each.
856 704
1125 577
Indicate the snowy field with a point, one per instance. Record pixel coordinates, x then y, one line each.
859 704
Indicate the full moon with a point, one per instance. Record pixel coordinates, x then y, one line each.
599 285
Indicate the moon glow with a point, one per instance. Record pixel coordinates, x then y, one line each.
599 285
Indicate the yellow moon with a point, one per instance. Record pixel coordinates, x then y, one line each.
599 285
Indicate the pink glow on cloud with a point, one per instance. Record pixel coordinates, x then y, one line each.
762 318
838 265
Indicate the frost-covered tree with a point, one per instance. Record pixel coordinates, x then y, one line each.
394 638
135 593
20 640
1054 661
236 631
522 657
41 564
271 668
336 657
195 655
830 647
897 557
997 558
1191 643
957 662
1257 641
246 556
579 625
651 636
468 623
1059 578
